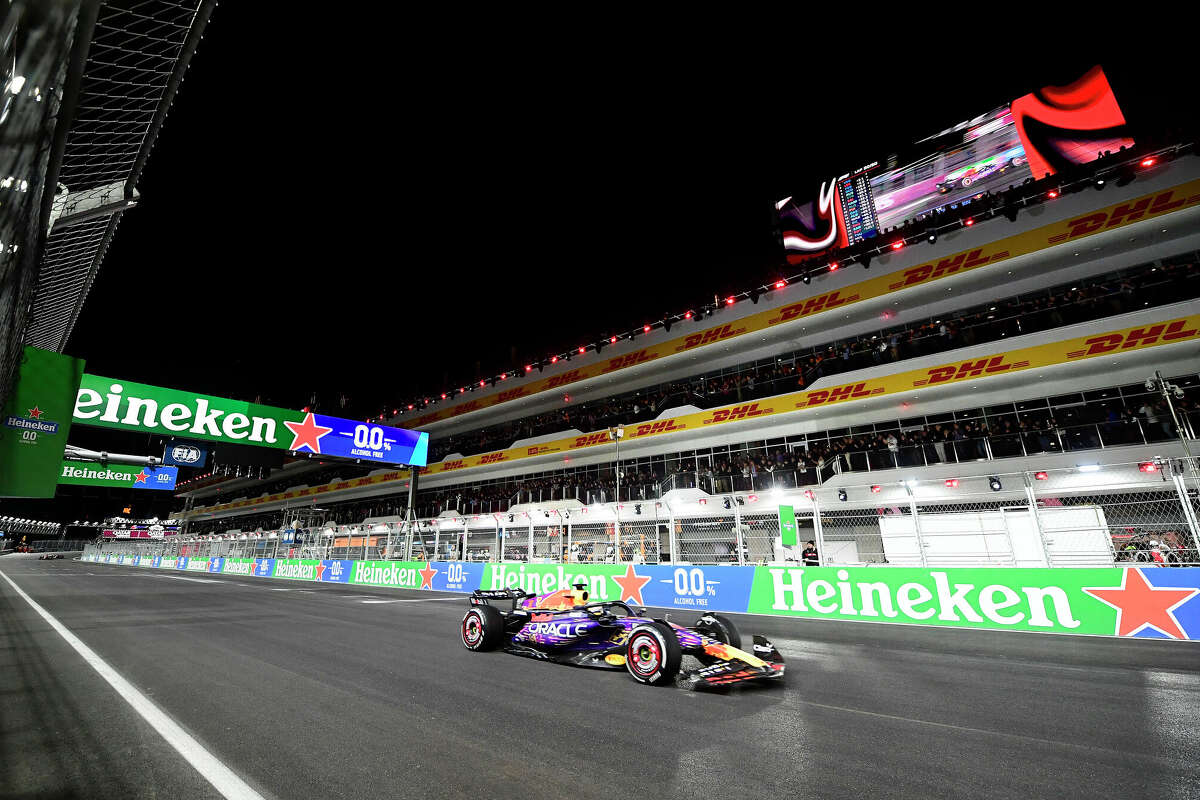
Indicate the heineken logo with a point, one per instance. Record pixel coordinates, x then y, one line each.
922 600
198 415
386 574
544 580
284 569
233 567
109 403
90 473
31 423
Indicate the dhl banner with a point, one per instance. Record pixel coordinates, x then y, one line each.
1039 356
1115 216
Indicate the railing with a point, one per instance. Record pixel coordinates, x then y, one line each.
1137 513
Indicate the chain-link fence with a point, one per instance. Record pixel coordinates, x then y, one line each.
1086 515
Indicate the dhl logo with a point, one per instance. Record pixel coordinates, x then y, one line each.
1124 214
1138 337
365 481
640 357
566 377
322 489
491 458
457 463
822 302
463 409
538 450
304 492
590 439
737 412
708 337
661 426
342 485
969 369
511 394
947 266
823 396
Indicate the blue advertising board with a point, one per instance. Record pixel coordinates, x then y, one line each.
185 454
350 439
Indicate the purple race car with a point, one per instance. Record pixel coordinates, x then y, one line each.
565 628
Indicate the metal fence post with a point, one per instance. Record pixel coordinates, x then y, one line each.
737 532
1031 499
1188 512
529 553
671 544
912 506
497 553
818 531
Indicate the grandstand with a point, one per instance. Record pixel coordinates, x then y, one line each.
1027 349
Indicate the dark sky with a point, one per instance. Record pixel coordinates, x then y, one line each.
336 207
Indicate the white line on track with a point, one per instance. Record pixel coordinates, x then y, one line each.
223 779
193 580
417 600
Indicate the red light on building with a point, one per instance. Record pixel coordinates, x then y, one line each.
876 489
1041 476
462 390
753 498
833 266
780 284
553 359
1148 466
645 329
612 340
1149 162
808 493
443 395
529 368
951 483
482 384
703 501
687 315
410 406
1052 194
582 350
898 245
969 221
503 376
730 300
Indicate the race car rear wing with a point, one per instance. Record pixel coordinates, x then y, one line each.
482 596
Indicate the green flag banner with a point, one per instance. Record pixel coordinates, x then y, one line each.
35 421
787 526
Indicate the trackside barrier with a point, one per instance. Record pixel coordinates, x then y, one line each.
1133 601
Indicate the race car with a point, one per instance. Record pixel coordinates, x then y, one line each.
564 627
997 164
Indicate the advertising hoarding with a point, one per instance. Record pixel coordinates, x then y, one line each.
35 421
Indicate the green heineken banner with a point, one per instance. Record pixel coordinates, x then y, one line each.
1142 602
787 526
109 403
90 473
35 423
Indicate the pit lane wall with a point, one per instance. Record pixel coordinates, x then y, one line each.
1139 602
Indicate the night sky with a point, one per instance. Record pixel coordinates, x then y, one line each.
331 209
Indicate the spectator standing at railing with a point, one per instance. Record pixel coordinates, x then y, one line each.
809 555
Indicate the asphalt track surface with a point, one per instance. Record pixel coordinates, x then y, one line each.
309 691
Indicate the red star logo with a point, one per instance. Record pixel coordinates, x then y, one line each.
320 569
141 477
427 575
1140 605
36 412
307 433
631 585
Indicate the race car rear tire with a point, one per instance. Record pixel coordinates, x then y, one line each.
652 654
482 628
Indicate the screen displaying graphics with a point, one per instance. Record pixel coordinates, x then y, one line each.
981 156
1040 134
1061 126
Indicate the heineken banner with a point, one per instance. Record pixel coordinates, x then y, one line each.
35 421
109 403
90 473
1149 602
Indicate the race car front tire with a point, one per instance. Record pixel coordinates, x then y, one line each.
652 654
722 629
482 628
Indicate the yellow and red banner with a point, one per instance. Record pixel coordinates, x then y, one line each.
1067 351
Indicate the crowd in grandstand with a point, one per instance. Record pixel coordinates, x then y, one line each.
1130 290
